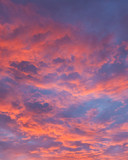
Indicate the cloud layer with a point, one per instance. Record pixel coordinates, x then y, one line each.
63 80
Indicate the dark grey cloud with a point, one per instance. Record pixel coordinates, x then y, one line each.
43 64
25 66
49 143
58 60
38 108
4 91
70 76
85 146
6 87
50 77
79 131
5 120
73 112
40 37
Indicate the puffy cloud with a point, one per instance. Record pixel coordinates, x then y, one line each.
25 66
38 108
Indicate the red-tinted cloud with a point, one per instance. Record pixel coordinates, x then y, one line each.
63 89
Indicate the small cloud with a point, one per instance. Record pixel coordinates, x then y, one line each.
43 64
58 60
25 66
71 76
37 107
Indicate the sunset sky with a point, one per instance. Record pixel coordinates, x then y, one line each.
63 79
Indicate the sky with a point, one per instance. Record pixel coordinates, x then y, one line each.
63 79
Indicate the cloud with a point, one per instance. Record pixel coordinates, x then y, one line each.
6 122
58 60
71 76
63 80
120 136
38 108
25 66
